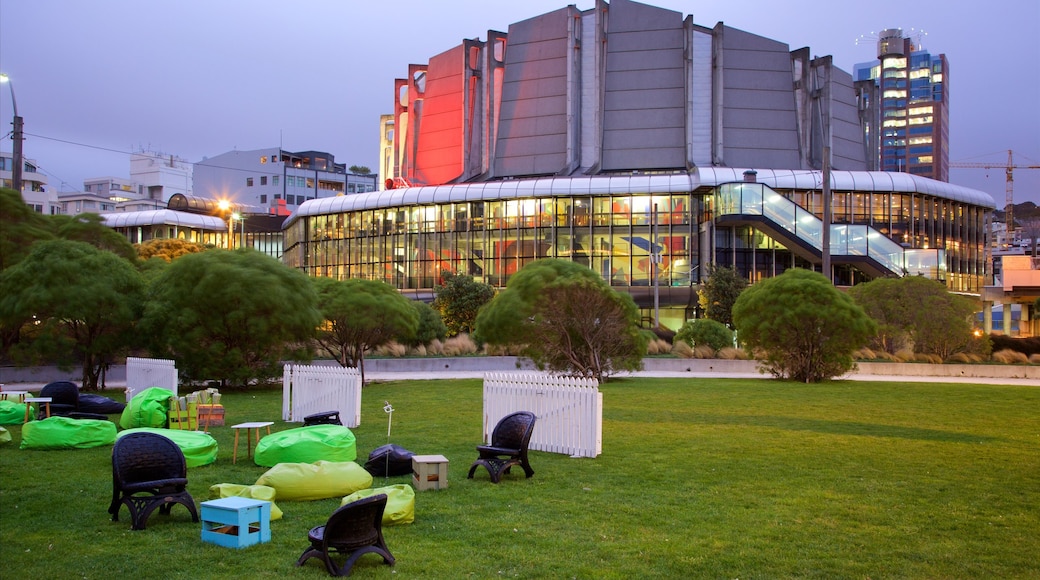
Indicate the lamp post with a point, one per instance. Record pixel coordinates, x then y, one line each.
16 136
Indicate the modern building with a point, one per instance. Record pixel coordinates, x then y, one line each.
274 179
631 140
160 176
904 99
34 184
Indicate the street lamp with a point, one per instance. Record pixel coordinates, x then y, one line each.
16 136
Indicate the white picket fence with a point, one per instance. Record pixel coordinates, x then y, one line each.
569 411
309 389
143 373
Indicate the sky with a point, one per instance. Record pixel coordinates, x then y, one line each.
96 81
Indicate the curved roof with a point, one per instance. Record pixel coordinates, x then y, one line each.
635 183
159 217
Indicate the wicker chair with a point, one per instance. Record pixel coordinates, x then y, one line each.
64 397
508 447
148 472
354 529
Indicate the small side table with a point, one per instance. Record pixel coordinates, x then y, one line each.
256 425
429 472
18 395
236 522
45 400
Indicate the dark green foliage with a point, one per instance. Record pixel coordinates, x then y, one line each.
231 316
20 227
87 227
1027 346
458 301
916 312
704 331
431 327
801 327
721 289
361 315
566 319
83 303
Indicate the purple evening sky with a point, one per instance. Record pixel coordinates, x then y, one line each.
95 81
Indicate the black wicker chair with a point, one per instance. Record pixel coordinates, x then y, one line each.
508 447
64 397
353 530
148 472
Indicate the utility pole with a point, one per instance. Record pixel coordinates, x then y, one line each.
17 136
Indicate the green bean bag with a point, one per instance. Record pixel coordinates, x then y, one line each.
400 502
12 413
5 435
319 480
147 409
199 448
262 492
65 433
306 445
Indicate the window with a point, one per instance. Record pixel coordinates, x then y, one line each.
274 180
263 198
263 160
263 180
249 182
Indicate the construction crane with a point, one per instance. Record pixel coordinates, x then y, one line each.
1009 202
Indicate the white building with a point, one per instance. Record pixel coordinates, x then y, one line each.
34 184
160 176
275 179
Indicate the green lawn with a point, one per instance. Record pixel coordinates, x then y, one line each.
698 479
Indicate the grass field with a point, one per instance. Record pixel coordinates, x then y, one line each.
698 479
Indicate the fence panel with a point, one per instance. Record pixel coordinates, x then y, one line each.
143 373
308 389
569 410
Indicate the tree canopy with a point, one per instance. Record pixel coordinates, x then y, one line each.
459 299
167 249
801 327
361 315
707 332
83 303
232 316
721 289
566 319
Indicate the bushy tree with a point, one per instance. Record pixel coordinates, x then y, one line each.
167 249
721 289
20 228
919 312
431 327
361 315
459 299
566 319
704 331
232 316
88 227
802 326
83 303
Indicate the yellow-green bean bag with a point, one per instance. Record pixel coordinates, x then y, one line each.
5 435
65 433
307 445
261 492
400 502
319 480
199 448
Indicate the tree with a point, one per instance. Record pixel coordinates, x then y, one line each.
20 228
89 228
359 169
83 302
167 249
458 301
803 326
232 316
566 319
430 324
721 289
704 331
916 312
361 315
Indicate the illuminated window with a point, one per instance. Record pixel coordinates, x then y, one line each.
895 74
921 110
894 94
926 120
920 140
920 74
894 123
263 160
937 78
894 63
896 113
923 159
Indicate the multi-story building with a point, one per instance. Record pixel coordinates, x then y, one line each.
34 184
904 99
160 176
274 180
647 150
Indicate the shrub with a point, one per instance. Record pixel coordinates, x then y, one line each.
1010 357
731 353
704 331
435 348
459 345
905 355
392 349
926 357
865 354
658 346
682 350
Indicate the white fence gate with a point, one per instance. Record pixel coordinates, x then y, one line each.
569 410
143 373
308 389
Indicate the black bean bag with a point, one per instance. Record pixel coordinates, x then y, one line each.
389 460
97 404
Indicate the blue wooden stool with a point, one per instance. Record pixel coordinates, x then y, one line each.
236 522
